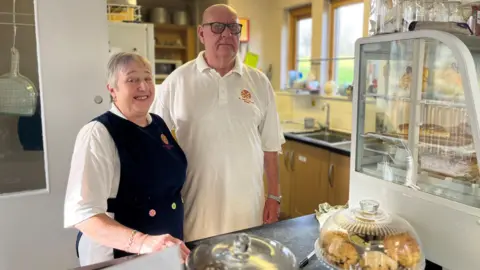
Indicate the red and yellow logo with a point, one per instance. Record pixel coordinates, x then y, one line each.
246 96
164 139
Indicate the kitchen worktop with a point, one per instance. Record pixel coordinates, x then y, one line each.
298 234
340 148
291 131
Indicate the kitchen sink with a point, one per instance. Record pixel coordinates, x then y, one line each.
327 136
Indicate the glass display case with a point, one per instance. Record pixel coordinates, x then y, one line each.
422 159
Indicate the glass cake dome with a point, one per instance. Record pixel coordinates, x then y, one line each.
369 238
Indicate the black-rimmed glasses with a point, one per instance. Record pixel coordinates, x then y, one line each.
218 27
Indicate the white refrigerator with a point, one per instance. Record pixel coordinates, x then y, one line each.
132 37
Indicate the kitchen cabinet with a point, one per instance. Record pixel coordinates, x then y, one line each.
308 178
338 179
310 175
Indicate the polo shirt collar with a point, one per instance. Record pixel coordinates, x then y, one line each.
202 64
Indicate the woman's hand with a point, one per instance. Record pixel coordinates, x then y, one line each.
154 243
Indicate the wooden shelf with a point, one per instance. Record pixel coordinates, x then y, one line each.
175 34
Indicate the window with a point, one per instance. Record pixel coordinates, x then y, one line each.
300 39
346 26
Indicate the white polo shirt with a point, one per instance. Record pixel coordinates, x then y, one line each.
94 178
224 124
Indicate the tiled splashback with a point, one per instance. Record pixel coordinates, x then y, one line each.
297 107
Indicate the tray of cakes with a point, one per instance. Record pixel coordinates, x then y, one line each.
438 135
366 237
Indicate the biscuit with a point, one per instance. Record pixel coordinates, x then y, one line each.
403 248
376 260
338 251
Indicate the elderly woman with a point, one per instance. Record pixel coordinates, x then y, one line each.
126 173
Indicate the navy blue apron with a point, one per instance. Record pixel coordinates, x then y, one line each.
153 171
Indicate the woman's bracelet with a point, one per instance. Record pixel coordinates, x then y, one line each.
131 239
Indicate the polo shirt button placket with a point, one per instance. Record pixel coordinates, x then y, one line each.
222 91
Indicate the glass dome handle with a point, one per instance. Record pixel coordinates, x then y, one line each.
241 243
369 206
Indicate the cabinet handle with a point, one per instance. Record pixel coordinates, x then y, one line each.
285 159
292 161
330 172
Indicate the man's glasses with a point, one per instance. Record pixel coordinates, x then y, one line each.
218 27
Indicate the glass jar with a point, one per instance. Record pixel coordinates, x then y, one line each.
241 251
369 238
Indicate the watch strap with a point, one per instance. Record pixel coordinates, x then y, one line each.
276 198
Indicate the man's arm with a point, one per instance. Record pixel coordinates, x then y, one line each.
271 171
272 139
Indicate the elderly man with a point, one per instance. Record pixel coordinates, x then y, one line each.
225 119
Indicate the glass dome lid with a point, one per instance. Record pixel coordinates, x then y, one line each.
369 238
241 251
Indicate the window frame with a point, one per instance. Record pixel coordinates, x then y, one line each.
331 29
295 15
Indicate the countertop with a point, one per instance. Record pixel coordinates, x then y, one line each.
291 131
298 234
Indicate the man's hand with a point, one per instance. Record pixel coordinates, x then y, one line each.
271 211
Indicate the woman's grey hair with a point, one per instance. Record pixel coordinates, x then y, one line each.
117 63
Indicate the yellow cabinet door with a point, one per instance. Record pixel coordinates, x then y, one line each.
338 179
284 180
309 185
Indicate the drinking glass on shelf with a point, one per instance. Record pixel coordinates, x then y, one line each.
441 11
456 14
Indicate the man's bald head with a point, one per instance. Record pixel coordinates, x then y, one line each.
220 33
218 11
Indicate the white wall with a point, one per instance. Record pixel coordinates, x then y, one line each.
72 50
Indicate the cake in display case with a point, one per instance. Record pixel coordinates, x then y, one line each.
366 237
421 162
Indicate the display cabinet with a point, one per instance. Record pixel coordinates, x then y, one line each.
421 161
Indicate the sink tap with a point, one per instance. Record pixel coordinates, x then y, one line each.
326 106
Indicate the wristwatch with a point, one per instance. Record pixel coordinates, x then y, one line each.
276 198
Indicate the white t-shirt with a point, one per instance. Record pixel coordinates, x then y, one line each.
224 125
94 178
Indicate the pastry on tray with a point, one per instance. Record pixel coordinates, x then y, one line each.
403 248
427 130
376 260
337 250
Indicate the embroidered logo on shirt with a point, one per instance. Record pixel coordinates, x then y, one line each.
246 96
165 141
